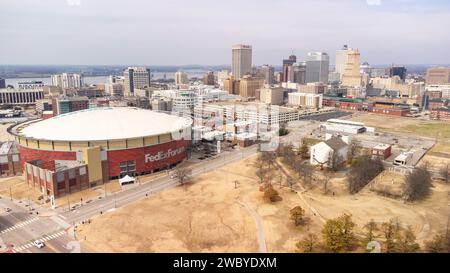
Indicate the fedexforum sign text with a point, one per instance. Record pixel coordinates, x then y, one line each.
163 155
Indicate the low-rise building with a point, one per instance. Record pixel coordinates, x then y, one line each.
43 105
440 114
307 100
381 151
114 89
438 75
161 104
59 179
248 86
392 111
14 96
344 126
9 159
63 105
325 152
313 88
272 95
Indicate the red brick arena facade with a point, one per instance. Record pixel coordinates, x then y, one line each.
86 148
177 149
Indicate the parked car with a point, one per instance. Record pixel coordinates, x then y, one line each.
8 210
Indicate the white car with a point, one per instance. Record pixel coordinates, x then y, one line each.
8 210
38 244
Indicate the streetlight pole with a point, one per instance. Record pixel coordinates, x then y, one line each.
68 202
10 192
448 220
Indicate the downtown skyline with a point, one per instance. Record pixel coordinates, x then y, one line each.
79 32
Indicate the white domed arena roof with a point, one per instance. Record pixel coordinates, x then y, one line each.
111 123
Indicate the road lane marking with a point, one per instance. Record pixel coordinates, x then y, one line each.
44 238
20 225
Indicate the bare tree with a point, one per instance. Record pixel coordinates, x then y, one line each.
326 182
304 149
362 172
439 244
290 182
308 244
335 161
261 170
353 149
445 173
182 175
370 227
418 184
307 172
268 157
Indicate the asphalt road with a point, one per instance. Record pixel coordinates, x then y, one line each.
19 228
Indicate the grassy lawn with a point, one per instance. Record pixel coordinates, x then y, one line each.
437 130
441 147
311 141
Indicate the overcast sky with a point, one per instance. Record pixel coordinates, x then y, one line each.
180 32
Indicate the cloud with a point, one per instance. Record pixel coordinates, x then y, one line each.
373 2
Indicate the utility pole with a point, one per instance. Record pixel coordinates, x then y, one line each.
68 202
446 232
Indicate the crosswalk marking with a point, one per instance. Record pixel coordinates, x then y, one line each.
44 238
19 225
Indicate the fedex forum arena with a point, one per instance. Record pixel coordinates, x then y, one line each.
86 148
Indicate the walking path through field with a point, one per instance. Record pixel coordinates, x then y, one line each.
299 193
259 226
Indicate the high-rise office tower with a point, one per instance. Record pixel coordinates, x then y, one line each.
267 71
341 60
287 68
241 63
181 78
352 74
67 80
397 71
135 77
2 83
299 72
317 67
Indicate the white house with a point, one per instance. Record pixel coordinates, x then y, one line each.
322 153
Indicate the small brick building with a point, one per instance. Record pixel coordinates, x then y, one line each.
9 159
